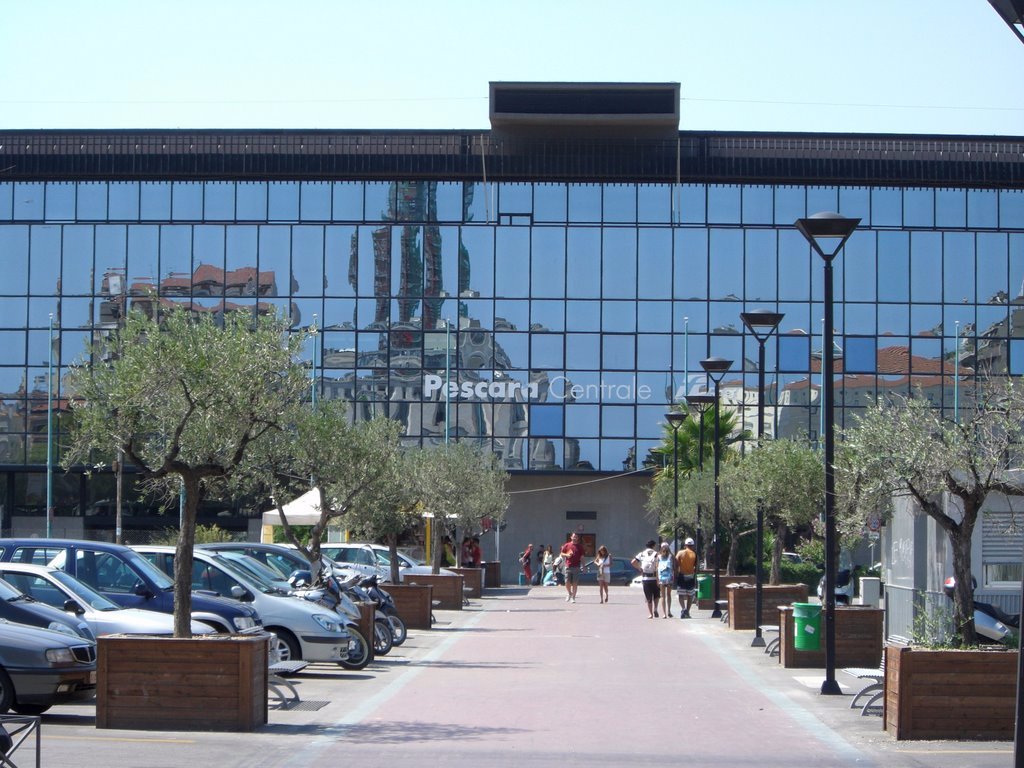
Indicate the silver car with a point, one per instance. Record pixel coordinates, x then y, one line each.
40 668
59 589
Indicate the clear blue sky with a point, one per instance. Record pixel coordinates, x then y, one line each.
903 66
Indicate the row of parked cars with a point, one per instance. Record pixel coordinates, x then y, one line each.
57 596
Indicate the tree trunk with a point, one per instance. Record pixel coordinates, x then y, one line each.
392 542
776 574
183 558
963 597
734 554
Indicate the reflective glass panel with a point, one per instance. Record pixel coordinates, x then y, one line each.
691 203
950 208
583 316
14 248
893 266
620 203
618 316
723 204
926 266
515 198
44 277
283 201
307 274
92 201
582 420
347 200
187 201
760 264
654 316
546 351
794 352
886 207
584 263
6 200
585 203
477 260
758 205
315 201
547 263
654 264
618 352
619 264
76 277
29 199
982 208
790 205
219 200
691 264
992 269
582 351
155 201
959 271
918 208
251 200
449 202
654 203
855 202
795 266
1011 208
124 200
512 262
550 202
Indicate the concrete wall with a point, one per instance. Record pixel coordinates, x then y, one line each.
545 509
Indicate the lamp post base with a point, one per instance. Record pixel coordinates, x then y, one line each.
757 642
717 613
830 688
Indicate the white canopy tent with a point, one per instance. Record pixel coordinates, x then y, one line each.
304 510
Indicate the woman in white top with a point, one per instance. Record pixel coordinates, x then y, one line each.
666 578
603 563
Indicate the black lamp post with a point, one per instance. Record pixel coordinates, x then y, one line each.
827 233
762 323
716 368
700 404
675 420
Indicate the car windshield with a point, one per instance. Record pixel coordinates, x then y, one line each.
154 574
9 593
241 574
86 594
256 570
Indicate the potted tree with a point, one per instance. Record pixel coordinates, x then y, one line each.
184 399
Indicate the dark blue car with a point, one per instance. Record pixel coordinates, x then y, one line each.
127 578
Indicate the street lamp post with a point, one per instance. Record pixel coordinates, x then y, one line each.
675 420
827 233
716 368
762 323
700 403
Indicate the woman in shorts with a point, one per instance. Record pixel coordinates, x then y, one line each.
666 578
603 563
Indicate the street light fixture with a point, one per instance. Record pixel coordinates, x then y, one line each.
1012 12
716 368
701 404
827 233
762 323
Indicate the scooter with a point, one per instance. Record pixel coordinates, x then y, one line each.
843 588
989 620
383 636
332 597
386 605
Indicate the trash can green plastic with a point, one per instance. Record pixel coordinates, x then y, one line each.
703 587
806 626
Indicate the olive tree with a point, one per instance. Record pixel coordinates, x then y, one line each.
788 480
346 463
906 448
459 485
185 399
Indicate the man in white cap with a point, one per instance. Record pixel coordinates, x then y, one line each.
686 577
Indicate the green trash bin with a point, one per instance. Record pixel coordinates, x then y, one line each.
806 626
703 586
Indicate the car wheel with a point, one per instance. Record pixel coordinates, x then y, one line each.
287 646
6 692
30 709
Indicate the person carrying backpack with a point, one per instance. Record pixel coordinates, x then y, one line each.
646 562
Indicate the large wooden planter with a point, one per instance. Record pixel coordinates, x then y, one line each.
947 694
474 580
858 638
447 589
211 683
708 603
414 603
741 602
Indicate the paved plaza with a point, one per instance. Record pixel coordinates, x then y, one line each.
522 677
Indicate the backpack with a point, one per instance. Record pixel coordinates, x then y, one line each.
648 561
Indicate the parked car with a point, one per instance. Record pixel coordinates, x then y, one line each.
283 559
62 591
303 630
374 560
623 572
127 578
17 606
40 668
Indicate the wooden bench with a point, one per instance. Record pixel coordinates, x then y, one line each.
875 688
723 606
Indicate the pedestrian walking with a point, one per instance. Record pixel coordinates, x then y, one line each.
666 578
549 565
603 564
646 561
572 552
686 577
526 560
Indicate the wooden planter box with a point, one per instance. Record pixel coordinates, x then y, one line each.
708 604
858 638
492 574
948 694
447 589
367 612
474 580
413 603
741 603
211 683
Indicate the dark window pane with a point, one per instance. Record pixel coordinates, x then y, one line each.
794 352
859 355
546 420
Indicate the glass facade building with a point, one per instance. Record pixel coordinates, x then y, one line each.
549 299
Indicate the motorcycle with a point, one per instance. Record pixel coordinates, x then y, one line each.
333 598
843 587
383 635
990 620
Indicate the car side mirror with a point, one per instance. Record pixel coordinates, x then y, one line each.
141 590
240 593
73 606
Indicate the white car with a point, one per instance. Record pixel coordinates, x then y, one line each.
56 588
304 630
375 559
